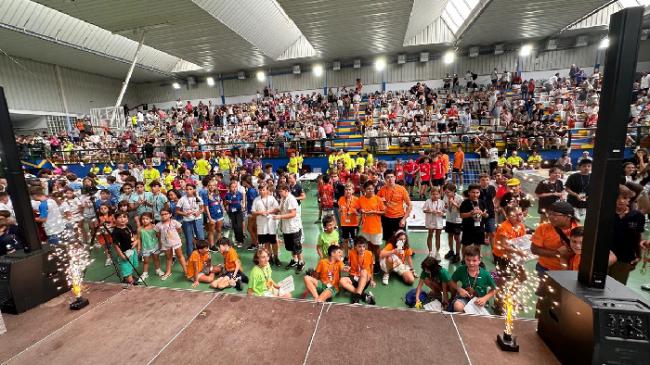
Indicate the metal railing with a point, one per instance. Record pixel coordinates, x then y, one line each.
377 145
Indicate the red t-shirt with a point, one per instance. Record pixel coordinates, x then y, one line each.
399 172
410 168
344 175
326 196
437 169
425 171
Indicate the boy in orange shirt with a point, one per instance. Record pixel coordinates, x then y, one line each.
348 206
231 274
199 265
327 282
459 162
361 266
576 247
371 208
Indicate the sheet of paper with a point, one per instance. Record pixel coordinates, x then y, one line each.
434 306
523 243
286 285
3 329
472 308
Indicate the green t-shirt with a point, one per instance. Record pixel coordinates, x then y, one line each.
442 277
148 239
325 240
480 284
257 279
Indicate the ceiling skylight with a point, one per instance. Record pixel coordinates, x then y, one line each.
456 13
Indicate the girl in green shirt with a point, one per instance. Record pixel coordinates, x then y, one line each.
435 277
260 282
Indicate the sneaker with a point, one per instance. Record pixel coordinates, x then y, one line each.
291 264
252 248
384 280
370 298
645 287
239 244
238 285
355 298
437 256
449 255
159 272
214 248
165 277
143 277
299 267
277 262
455 259
108 262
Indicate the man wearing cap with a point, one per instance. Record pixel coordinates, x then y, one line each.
577 188
551 239
514 197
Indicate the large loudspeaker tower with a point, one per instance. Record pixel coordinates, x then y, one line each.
30 278
590 318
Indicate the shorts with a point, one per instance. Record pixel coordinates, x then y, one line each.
458 171
439 182
374 239
399 269
355 282
293 242
126 266
457 298
424 181
147 253
490 225
473 238
171 245
409 180
320 288
453 228
267 238
240 275
349 232
390 226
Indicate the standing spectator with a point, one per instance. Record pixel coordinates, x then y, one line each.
395 198
235 206
371 208
459 162
291 226
548 192
190 207
474 213
488 195
264 206
577 188
628 227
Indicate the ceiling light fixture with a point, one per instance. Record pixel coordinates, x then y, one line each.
380 64
604 43
210 81
526 50
261 76
318 70
449 57
176 85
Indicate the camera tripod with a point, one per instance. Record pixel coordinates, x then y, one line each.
104 231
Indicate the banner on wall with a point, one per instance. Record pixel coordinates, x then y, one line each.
415 222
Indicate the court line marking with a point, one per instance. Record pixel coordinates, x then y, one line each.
63 327
462 343
313 335
184 327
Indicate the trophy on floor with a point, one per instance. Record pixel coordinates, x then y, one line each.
506 341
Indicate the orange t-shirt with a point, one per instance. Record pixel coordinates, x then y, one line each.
371 223
546 237
348 211
329 272
506 232
459 160
200 259
445 163
358 264
230 259
395 199
405 253
575 262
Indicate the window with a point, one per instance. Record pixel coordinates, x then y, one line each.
456 13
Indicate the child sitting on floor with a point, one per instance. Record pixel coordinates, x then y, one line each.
325 283
361 266
476 282
260 281
397 257
199 265
231 274
437 278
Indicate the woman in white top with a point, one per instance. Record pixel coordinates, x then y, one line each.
190 207
434 210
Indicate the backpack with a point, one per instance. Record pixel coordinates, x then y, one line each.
409 298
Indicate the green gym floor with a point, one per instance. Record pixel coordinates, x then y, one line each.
391 295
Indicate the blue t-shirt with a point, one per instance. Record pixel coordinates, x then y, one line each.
114 189
234 201
214 204
251 194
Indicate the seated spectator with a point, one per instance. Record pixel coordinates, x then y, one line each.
260 281
199 265
437 278
397 257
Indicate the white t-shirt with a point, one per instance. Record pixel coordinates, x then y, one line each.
493 154
8 207
193 204
452 213
291 225
265 224
431 220
73 207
